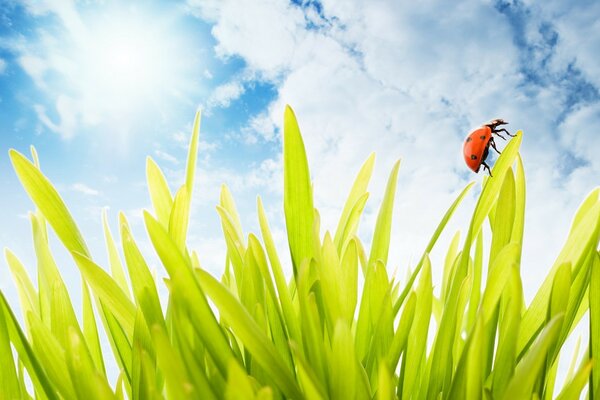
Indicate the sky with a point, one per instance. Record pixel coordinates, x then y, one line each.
97 86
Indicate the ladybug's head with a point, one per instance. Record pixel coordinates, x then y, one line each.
497 122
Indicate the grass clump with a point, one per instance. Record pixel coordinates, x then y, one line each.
313 335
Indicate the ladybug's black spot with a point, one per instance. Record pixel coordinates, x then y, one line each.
468 139
473 157
482 137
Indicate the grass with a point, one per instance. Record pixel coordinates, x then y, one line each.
316 334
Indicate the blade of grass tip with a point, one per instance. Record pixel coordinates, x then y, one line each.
116 267
349 280
9 381
358 191
573 389
594 328
27 294
353 219
160 195
47 199
383 227
235 247
27 356
582 239
449 261
502 226
226 201
108 292
192 156
520 194
527 371
432 242
142 281
179 219
297 189
285 298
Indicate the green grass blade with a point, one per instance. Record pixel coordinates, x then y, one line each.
417 340
383 226
177 381
594 328
572 390
285 298
109 293
51 356
250 334
87 381
402 333
582 240
527 371
297 189
190 169
26 354
183 279
116 267
28 295
346 227
90 329
343 364
508 329
179 218
47 199
160 195
9 381
239 385
430 245
142 281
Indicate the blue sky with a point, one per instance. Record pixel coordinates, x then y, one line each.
96 86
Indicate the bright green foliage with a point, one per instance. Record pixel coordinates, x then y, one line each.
340 326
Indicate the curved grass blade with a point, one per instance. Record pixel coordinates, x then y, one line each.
297 189
383 227
160 195
352 209
49 202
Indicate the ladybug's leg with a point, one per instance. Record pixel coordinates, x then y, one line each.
496 131
485 166
499 135
494 145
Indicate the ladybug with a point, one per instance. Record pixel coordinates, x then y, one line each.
477 144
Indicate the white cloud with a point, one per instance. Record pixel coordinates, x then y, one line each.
3 66
224 94
84 189
163 155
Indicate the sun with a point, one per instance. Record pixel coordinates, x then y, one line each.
127 62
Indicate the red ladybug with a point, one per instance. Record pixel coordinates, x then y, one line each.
477 144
